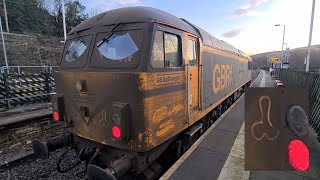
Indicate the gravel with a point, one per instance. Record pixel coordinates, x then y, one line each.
46 169
33 168
19 146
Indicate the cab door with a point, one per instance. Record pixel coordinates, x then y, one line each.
193 70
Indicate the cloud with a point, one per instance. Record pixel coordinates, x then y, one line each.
248 9
232 33
103 5
127 2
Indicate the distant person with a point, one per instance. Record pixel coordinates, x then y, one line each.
272 71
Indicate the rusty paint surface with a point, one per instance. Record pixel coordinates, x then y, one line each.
163 130
143 77
194 89
165 111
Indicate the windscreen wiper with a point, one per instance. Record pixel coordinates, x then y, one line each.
79 39
77 33
111 34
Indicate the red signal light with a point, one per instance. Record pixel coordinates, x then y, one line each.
116 132
56 116
298 155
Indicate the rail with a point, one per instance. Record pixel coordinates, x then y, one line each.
300 79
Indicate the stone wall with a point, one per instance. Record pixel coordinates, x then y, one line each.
50 49
30 50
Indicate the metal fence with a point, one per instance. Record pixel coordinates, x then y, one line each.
300 79
254 74
27 69
24 88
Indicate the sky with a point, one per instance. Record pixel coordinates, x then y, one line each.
249 25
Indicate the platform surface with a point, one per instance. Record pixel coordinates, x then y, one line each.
219 153
23 113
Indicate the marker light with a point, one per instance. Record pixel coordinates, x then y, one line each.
116 119
298 155
116 132
297 121
56 116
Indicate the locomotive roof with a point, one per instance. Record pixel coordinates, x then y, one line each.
143 14
132 15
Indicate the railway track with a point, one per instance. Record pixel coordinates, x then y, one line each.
15 147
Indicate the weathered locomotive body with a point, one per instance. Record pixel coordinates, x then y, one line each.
132 80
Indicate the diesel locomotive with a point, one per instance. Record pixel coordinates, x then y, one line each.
136 81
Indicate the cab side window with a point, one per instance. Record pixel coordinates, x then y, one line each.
166 51
192 53
157 51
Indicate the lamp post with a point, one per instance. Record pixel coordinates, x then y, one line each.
4 46
310 37
64 21
5 15
284 32
285 53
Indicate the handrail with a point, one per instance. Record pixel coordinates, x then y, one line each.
18 68
5 67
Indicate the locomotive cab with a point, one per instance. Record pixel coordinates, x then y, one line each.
111 83
99 80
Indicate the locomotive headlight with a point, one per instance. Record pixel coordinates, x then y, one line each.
115 118
297 120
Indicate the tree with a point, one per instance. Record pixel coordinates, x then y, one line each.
74 14
43 16
28 17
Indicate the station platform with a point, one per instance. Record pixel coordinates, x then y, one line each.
23 113
219 152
